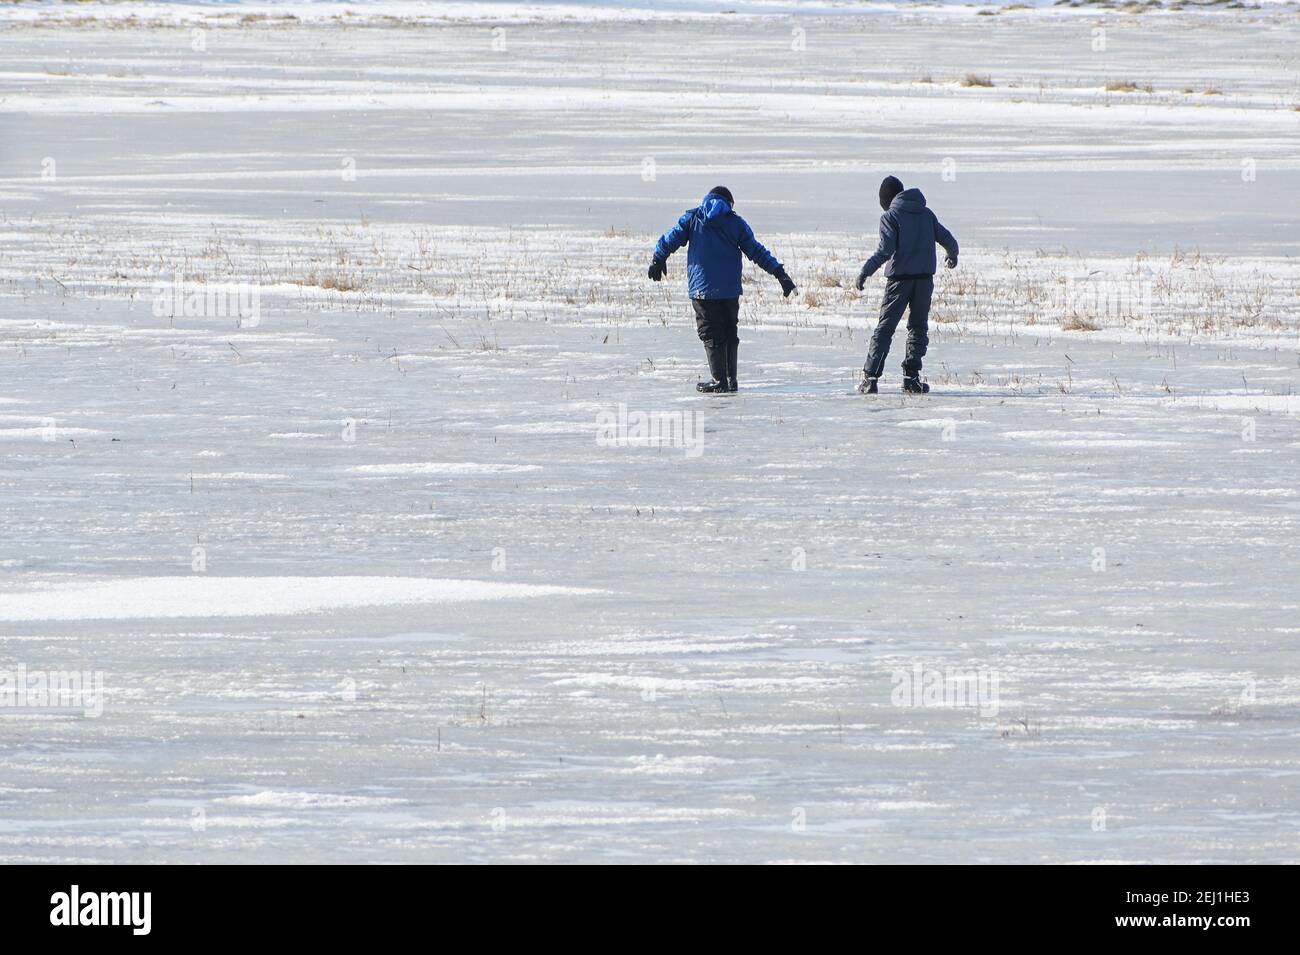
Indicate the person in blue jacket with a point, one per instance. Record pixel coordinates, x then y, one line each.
715 237
908 233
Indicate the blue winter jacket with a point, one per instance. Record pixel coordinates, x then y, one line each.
908 232
716 236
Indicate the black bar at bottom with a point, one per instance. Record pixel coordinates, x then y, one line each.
331 905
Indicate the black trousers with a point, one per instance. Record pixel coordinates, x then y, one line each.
717 321
911 294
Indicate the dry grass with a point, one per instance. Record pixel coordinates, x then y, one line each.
1024 725
491 274
1128 86
335 281
1075 322
250 18
977 79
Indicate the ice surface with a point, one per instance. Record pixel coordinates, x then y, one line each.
702 663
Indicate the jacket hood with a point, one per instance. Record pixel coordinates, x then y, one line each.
909 200
713 207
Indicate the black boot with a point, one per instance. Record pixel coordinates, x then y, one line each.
731 365
913 385
868 386
716 352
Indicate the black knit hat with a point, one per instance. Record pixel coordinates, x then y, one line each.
724 192
889 188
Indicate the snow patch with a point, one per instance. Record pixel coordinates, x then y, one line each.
293 800
237 476
442 467
166 597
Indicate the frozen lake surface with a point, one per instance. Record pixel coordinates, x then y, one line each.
366 578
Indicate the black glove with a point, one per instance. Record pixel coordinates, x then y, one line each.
951 261
862 278
658 269
787 283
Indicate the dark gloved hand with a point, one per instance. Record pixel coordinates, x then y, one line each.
658 269
787 283
951 262
862 278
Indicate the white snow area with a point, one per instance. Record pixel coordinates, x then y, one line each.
354 12
151 597
344 438
492 11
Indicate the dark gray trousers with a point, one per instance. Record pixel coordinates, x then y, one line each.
717 321
913 295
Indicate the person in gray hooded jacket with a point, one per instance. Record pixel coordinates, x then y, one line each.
908 233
